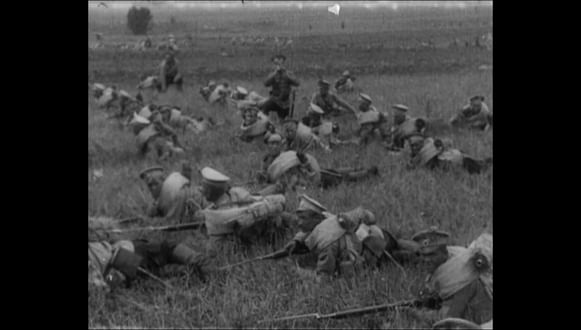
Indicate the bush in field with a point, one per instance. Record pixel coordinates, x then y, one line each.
139 20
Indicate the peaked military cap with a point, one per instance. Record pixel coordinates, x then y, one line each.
477 97
316 108
307 203
400 107
242 90
323 82
124 93
430 234
139 119
210 175
150 170
212 83
274 138
455 323
98 86
346 73
365 97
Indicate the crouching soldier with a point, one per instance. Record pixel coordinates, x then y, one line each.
299 137
291 169
370 121
105 96
325 130
255 124
331 104
474 115
464 284
345 83
174 117
333 238
207 90
219 94
127 106
242 98
153 134
433 153
121 262
233 211
404 126
169 73
175 198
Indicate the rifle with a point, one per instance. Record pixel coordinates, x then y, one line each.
292 109
354 311
183 226
275 255
130 219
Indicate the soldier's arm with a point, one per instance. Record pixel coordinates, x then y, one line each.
485 109
270 80
293 81
344 104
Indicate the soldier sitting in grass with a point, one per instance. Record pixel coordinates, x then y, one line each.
219 94
404 126
242 98
345 83
326 130
370 121
154 135
175 198
331 104
127 106
255 124
299 137
474 115
208 89
433 153
174 117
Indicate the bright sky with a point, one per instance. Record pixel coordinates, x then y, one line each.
299 4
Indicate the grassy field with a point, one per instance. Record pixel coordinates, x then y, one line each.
403 201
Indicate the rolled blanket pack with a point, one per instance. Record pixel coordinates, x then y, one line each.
223 221
288 160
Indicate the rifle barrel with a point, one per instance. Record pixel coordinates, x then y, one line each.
369 309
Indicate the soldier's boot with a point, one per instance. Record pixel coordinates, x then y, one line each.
198 263
357 175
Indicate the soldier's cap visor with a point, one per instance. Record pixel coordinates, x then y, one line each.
149 170
308 203
420 236
400 107
211 176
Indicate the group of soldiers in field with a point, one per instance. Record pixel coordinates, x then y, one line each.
458 291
